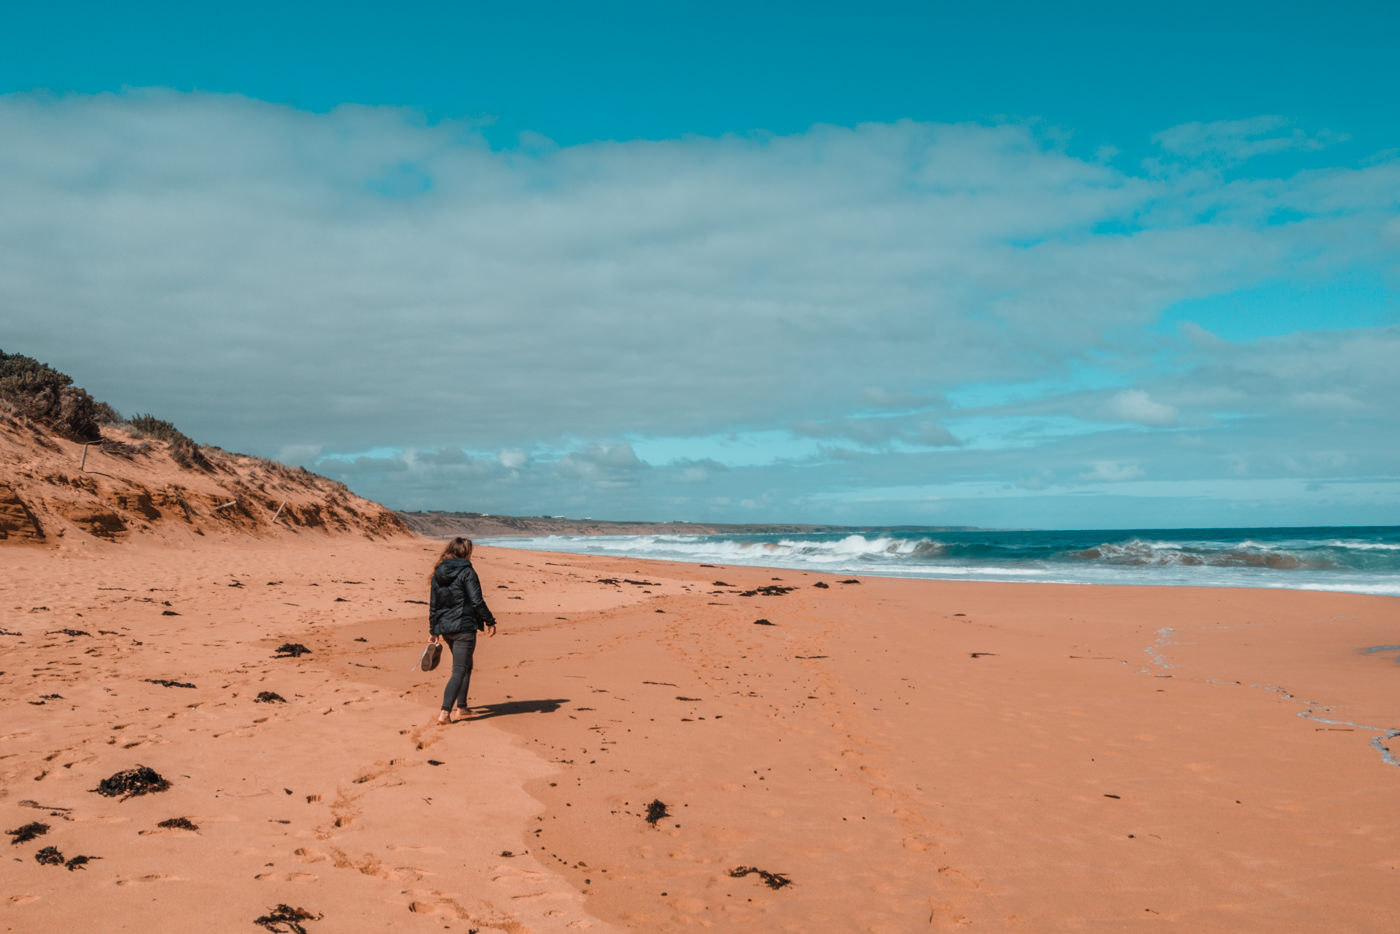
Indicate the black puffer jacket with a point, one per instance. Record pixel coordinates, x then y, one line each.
455 603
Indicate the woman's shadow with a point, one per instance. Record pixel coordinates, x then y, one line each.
509 708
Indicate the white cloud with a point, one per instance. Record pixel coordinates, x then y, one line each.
1134 405
1336 403
880 431
1231 141
300 454
1113 472
285 282
928 434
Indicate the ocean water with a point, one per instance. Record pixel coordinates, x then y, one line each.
1348 559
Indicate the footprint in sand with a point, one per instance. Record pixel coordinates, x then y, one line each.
286 877
416 848
429 902
918 843
958 876
152 877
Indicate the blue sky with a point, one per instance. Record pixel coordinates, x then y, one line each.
999 265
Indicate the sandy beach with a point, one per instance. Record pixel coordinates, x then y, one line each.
882 755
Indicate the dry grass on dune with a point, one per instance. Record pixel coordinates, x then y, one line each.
72 469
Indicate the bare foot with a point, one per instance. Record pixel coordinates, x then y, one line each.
443 717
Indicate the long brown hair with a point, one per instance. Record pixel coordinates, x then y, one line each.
459 547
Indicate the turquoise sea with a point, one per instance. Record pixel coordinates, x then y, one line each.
1349 559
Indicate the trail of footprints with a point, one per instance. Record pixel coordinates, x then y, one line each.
901 804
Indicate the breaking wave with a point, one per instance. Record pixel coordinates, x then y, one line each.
1352 560
1137 553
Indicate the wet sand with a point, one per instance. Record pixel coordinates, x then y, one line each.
909 755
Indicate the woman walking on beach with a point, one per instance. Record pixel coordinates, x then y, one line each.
456 611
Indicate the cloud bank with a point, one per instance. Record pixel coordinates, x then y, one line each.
952 313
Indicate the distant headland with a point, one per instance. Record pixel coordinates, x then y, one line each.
439 524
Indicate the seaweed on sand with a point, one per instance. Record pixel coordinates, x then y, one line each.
129 783
291 650
27 832
770 590
49 856
774 880
655 811
289 916
77 862
168 683
269 697
179 823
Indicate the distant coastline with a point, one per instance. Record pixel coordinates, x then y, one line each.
439 524
1356 559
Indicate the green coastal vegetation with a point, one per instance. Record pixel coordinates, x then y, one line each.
36 391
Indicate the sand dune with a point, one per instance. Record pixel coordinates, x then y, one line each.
55 491
910 755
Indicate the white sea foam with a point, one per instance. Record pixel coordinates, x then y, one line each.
1218 563
846 553
1360 546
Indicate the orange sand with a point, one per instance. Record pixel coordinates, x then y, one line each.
1111 758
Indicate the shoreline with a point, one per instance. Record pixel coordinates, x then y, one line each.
975 575
909 753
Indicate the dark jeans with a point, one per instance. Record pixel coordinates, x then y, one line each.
462 645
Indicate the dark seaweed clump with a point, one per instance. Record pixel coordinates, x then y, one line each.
774 880
27 832
140 780
269 697
822 585
291 650
763 622
289 916
772 590
655 811
179 823
166 682
78 861
49 856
